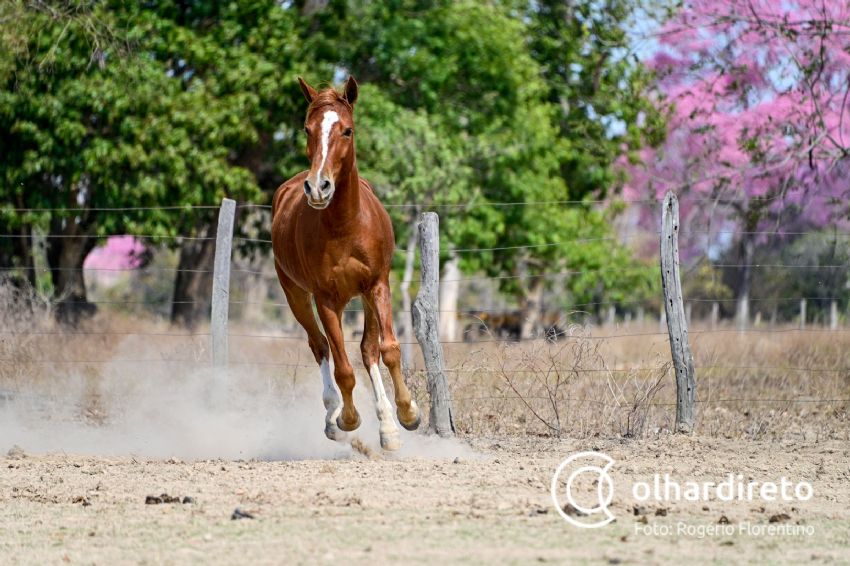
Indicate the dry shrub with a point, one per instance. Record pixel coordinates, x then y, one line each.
600 382
558 387
21 311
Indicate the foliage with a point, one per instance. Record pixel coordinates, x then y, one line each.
467 70
821 267
465 106
119 133
409 159
587 62
757 93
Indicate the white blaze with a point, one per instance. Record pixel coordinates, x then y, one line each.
330 118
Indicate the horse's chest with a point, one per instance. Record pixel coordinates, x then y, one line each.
330 270
347 275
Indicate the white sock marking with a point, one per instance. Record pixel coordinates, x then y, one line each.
330 395
382 404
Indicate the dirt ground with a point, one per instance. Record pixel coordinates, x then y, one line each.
105 420
477 500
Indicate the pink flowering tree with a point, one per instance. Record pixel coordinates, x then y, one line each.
758 138
119 253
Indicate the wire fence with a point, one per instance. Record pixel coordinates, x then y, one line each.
502 277
470 313
420 206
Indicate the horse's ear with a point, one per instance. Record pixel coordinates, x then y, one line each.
350 90
309 92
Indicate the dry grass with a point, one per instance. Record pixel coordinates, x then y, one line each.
788 384
591 383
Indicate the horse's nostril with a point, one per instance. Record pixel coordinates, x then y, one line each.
325 185
307 187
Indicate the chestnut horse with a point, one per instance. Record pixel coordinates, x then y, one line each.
332 240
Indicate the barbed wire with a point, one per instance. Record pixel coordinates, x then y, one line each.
179 208
654 403
561 336
547 275
553 338
567 310
523 398
399 251
461 312
615 199
456 370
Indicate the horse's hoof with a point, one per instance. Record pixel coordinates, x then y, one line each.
410 423
348 428
390 441
414 425
333 433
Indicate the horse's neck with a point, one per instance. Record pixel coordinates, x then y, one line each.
345 206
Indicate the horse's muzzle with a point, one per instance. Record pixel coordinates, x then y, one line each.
318 205
321 198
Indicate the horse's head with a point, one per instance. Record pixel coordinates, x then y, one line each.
330 139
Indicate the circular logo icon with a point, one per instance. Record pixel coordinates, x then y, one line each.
568 486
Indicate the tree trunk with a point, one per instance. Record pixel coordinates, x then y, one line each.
18 252
65 256
406 303
531 304
449 294
193 284
256 292
748 246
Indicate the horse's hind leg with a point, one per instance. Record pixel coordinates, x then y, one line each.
369 348
330 314
408 412
299 303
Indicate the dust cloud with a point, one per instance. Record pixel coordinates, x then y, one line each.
192 412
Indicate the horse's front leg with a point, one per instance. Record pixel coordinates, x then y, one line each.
370 350
331 316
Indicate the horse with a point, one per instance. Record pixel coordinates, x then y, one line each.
333 240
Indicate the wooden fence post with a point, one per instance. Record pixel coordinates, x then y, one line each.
221 282
426 325
677 326
833 315
612 316
715 315
802 314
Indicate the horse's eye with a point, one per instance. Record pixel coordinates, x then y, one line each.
347 132
306 130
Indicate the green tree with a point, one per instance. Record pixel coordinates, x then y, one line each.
604 98
466 106
178 105
472 70
413 163
246 56
85 130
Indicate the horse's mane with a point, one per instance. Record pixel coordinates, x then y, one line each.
327 97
